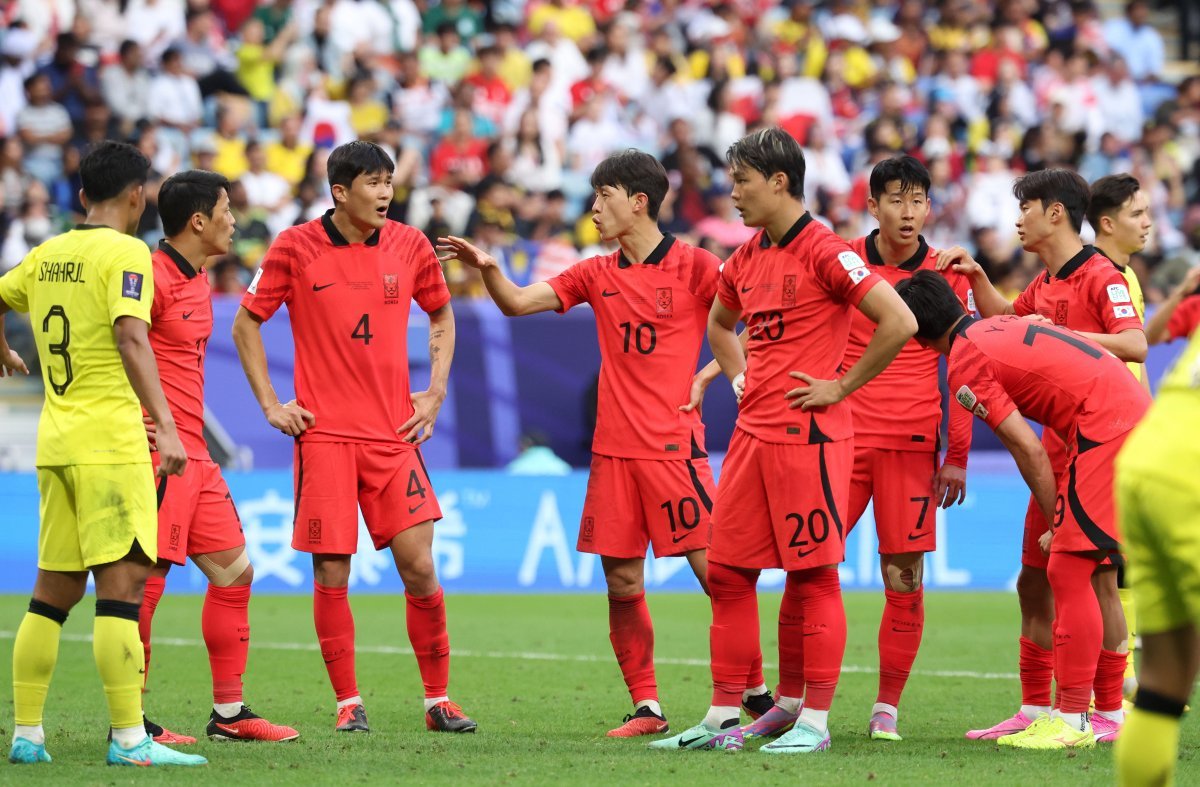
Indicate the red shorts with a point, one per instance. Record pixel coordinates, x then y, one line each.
781 506
901 485
634 502
1084 512
333 480
196 515
1035 523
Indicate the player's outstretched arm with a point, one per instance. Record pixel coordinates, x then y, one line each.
427 403
513 301
1129 345
895 326
133 343
10 362
728 350
988 299
1032 460
1156 326
290 418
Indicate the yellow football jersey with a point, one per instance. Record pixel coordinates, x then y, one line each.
74 287
1139 303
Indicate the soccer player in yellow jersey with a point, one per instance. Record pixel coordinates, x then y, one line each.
1119 212
89 293
1158 502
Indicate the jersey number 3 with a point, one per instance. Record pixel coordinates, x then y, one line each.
59 348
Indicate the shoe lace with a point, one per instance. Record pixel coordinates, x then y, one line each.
628 717
450 708
346 713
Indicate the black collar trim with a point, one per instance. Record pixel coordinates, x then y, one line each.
790 235
1104 254
336 237
911 264
82 226
966 322
658 255
181 263
1073 264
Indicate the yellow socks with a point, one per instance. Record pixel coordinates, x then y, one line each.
1126 596
1149 742
35 652
120 660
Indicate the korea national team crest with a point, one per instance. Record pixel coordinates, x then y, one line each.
789 290
664 301
391 288
1060 313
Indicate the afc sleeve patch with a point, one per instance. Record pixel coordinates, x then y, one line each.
132 285
1119 293
1124 311
971 300
858 274
253 288
850 261
967 398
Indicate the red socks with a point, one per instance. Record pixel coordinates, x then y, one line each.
791 639
335 632
155 585
733 636
426 618
824 638
1037 673
899 639
632 634
1078 629
225 622
1110 681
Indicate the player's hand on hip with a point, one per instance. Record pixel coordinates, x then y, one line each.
290 418
151 432
172 459
817 393
455 248
695 395
949 485
11 363
960 259
419 427
739 386
1045 541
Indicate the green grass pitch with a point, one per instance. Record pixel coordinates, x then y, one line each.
538 675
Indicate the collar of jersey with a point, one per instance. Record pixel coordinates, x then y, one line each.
1104 254
911 264
765 241
1085 254
656 256
962 325
336 237
182 264
82 226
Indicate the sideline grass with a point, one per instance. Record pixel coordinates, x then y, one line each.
538 675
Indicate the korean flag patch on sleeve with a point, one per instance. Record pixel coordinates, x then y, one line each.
253 288
131 285
1125 311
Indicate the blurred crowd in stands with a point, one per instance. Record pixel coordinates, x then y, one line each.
496 113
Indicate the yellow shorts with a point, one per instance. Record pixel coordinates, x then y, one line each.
92 514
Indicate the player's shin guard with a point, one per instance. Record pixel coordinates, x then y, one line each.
335 633
824 635
225 622
632 635
1037 673
900 632
426 617
733 636
1149 744
791 639
1109 687
1078 629
35 652
116 646
155 585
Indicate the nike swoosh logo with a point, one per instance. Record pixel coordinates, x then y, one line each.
684 743
317 288
608 294
677 539
747 289
806 552
417 508
918 536
231 729
186 315
146 762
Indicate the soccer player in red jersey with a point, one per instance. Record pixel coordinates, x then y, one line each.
1083 291
347 279
783 495
650 482
1004 368
897 421
196 515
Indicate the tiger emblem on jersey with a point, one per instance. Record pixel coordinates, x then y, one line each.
1060 313
664 300
789 290
391 288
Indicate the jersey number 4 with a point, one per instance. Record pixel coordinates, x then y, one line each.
59 348
362 331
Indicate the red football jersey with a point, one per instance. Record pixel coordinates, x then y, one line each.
349 306
901 409
1055 376
1186 317
650 320
795 299
1088 294
181 320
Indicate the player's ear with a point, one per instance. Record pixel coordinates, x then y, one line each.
338 191
83 200
873 208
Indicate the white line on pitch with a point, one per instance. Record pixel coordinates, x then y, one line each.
389 650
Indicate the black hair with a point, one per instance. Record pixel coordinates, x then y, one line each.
185 194
348 161
1049 186
637 173
911 173
111 167
932 301
768 151
1109 193
127 46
